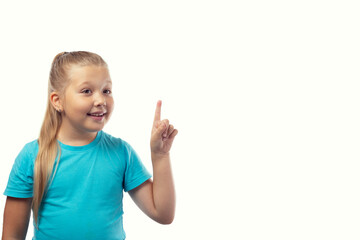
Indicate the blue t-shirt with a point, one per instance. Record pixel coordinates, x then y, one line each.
84 201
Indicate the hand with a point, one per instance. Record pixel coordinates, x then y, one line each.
162 134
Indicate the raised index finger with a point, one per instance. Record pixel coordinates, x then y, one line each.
158 111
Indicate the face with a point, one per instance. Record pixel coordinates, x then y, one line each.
88 101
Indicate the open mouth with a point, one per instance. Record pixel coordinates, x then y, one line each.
96 115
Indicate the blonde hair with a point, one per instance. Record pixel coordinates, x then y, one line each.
49 148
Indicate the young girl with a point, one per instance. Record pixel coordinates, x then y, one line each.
73 176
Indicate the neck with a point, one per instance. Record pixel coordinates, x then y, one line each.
74 138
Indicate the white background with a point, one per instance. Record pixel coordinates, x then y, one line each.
265 95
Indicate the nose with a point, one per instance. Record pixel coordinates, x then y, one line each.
99 100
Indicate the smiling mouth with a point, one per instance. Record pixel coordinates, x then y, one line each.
97 115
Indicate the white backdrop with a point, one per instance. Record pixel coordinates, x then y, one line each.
265 95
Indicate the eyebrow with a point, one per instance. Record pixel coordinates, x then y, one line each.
84 83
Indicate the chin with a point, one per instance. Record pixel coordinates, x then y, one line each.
95 129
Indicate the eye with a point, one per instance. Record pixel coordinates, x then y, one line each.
86 91
108 91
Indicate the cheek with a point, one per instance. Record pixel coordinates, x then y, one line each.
80 107
110 104
76 104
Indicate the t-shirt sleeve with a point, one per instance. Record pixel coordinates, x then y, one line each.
135 171
20 183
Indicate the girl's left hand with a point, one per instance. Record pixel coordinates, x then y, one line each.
162 134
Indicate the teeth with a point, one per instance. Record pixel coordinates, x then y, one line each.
98 115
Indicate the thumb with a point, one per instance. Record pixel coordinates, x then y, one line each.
160 128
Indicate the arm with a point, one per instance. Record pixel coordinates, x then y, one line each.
16 218
157 198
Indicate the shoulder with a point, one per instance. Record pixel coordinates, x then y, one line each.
32 147
116 142
27 155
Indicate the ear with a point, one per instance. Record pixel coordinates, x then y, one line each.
55 101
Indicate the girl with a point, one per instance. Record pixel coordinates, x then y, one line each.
74 174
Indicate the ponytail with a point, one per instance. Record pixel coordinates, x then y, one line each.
44 163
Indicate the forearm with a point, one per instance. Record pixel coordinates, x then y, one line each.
163 187
9 238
